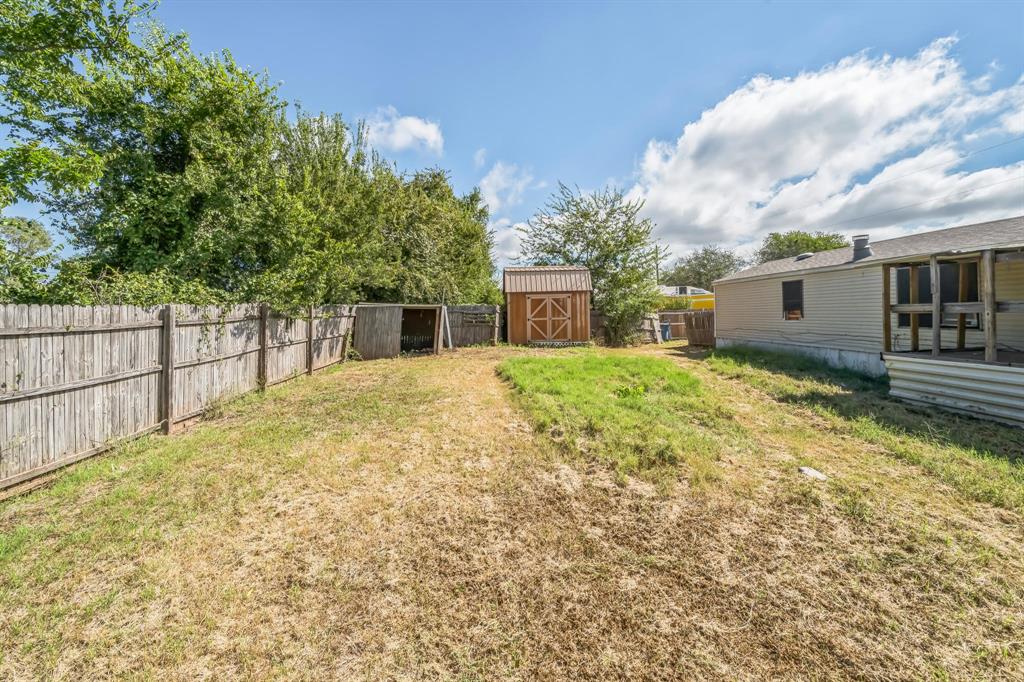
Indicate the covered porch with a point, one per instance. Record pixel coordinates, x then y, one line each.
953 331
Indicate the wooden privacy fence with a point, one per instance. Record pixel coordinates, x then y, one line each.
677 322
77 379
700 327
474 325
647 332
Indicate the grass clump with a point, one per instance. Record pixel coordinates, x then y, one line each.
982 460
644 415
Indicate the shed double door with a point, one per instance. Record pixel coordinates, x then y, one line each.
548 318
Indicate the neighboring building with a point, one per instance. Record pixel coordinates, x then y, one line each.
547 304
697 298
870 307
673 290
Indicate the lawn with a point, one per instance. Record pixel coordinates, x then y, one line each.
643 415
513 514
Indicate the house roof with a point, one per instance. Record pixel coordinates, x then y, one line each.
541 278
1007 233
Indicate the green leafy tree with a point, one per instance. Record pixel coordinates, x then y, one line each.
44 91
702 267
603 232
81 282
25 236
189 184
23 278
25 261
788 244
372 234
193 186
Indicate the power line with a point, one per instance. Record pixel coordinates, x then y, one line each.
900 208
905 175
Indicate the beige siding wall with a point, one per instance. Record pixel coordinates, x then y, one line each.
843 310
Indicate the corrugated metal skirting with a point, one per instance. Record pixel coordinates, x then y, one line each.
988 391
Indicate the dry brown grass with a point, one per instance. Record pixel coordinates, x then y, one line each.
401 520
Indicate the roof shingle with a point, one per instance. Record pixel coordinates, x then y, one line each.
1006 233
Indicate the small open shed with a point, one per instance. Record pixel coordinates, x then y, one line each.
548 304
386 330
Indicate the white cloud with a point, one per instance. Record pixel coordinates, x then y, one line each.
1013 121
386 129
480 158
825 149
506 240
503 186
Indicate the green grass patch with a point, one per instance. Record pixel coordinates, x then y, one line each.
644 415
984 461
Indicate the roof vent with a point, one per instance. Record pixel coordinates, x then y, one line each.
805 256
861 247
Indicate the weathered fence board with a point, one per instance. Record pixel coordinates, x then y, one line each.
700 327
68 387
474 325
378 332
332 325
677 322
74 380
647 332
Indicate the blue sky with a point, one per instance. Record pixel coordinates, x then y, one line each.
899 94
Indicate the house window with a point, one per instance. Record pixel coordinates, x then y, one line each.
949 281
793 300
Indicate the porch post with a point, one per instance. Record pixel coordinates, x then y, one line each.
915 321
936 286
988 299
886 309
961 296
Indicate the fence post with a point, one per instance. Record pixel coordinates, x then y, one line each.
348 324
497 325
261 367
167 371
447 328
311 326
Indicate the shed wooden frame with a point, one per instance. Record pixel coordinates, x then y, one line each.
547 304
378 328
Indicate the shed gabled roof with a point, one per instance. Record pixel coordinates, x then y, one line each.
1006 233
541 278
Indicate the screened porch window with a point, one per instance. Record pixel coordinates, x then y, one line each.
949 274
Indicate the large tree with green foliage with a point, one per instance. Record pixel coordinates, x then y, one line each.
192 185
25 236
188 183
603 232
43 45
788 244
703 266
370 233
25 259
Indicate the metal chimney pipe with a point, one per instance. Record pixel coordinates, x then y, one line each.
861 247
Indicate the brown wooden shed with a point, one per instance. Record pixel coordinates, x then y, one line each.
548 304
